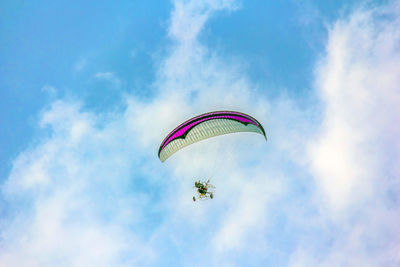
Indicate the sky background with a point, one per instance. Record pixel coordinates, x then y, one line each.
89 90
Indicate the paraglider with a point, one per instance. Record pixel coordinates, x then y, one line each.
205 126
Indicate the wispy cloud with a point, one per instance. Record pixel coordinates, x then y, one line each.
80 65
358 81
355 155
109 77
69 199
189 17
51 90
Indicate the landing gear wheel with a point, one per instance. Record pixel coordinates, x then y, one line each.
211 195
194 199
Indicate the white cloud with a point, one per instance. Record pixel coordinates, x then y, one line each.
359 84
109 77
51 90
80 64
188 17
72 208
355 155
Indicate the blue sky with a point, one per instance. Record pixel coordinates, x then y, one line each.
88 92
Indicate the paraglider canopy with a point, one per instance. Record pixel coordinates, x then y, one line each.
205 126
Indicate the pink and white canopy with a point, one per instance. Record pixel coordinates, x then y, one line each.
205 126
